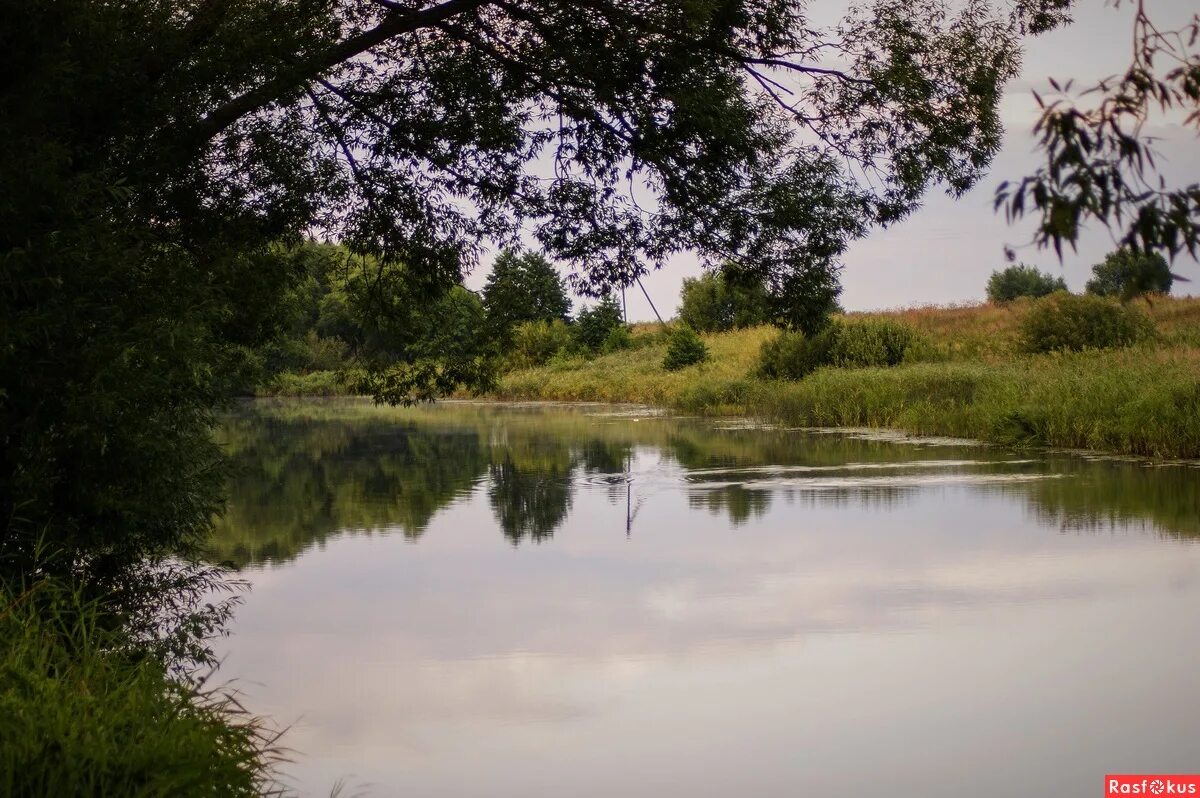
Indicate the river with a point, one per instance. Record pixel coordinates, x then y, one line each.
473 599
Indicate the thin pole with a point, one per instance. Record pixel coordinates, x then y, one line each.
648 299
628 506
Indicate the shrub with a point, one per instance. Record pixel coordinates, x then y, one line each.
314 383
324 354
684 349
535 342
847 344
617 339
1022 280
595 324
1071 322
869 342
84 713
1127 274
792 355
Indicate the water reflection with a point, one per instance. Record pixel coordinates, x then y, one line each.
307 471
528 502
884 620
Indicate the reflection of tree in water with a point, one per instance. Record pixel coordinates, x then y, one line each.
529 503
305 472
299 481
1103 495
738 501
598 456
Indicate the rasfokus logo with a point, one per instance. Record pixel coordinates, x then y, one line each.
1151 784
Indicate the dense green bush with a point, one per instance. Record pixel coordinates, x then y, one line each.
792 355
618 338
535 342
1018 281
593 325
869 342
313 383
847 344
685 348
724 300
1127 274
1071 322
84 714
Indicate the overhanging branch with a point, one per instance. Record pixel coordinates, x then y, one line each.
396 23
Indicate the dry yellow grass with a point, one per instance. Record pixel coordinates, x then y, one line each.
637 375
988 331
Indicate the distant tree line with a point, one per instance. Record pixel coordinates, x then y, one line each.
364 316
1123 274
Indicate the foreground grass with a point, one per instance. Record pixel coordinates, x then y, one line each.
82 714
1141 401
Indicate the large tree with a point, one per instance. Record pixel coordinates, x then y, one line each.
523 287
152 151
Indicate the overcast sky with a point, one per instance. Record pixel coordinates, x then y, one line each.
945 251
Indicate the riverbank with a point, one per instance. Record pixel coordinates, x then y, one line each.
967 380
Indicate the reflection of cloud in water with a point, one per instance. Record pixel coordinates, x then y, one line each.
398 656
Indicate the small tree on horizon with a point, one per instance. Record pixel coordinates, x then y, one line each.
1127 274
1008 284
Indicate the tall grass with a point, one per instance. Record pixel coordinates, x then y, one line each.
83 713
1128 402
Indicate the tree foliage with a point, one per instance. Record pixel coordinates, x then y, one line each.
594 325
1100 154
520 288
1126 274
347 311
1008 284
723 300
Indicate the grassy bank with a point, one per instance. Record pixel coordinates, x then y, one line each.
968 379
85 713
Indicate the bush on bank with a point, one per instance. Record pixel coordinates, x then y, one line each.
535 342
85 713
1075 322
1142 400
684 348
855 343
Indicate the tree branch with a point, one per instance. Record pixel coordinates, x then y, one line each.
396 23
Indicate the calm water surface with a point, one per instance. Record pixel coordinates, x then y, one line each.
486 600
